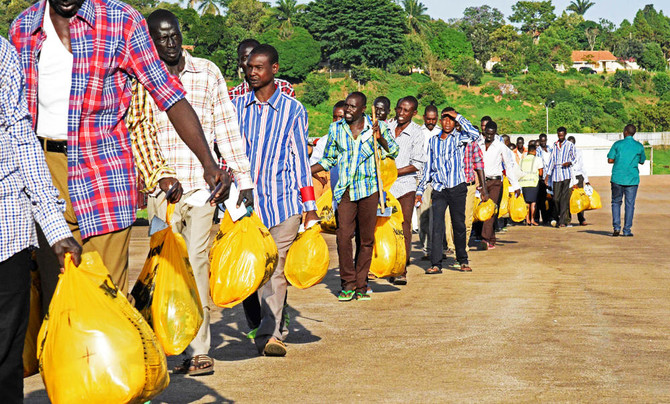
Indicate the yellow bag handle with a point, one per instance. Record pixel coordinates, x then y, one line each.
168 213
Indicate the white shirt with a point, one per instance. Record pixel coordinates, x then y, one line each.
494 157
578 167
427 134
318 150
55 80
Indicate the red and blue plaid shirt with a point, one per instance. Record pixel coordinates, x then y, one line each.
472 160
110 45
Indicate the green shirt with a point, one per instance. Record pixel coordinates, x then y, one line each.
627 154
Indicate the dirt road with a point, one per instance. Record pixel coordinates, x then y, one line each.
551 315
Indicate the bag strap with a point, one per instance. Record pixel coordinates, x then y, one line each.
169 212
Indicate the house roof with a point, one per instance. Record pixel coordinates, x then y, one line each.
596 56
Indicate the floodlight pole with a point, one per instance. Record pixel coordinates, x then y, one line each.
546 106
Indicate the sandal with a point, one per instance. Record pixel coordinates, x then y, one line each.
433 271
274 347
201 364
466 268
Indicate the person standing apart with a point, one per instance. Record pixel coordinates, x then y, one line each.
625 155
410 160
429 129
532 169
444 171
580 177
351 147
559 170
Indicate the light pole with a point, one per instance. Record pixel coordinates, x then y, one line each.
549 103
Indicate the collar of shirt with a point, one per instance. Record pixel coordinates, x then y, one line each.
189 65
272 101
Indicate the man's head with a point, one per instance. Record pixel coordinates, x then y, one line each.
430 117
354 106
66 8
505 139
338 111
543 140
532 147
561 132
485 119
490 131
165 32
572 139
519 143
243 50
262 65
382 106
405 110
629 130
448 123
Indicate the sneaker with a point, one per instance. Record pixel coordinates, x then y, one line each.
346 296
627 235
363 296
400 280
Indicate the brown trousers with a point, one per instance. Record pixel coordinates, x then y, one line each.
358 215
407 205
112 247
495 193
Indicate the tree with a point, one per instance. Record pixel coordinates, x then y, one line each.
357 31
250 15
447 43
652 26
286 12
591 35
210 7
417 19
652 57
534 16
299 54
468 71
580 6
478 23
214 41
9 9
316 89
661 84
431 93
621 79
506 45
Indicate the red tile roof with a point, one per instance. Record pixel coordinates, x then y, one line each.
596 56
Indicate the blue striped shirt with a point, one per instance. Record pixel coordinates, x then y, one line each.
561 153
275 133
445 166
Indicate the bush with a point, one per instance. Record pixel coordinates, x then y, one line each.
468 71
431 93
298 55
361 74
652 57
620 79
316 89
661 84
539 86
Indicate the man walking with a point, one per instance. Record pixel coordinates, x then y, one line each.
27 196
274 126
545 205
580 178
559 170
410 160
445 172
429 129
243 50
626 154
351 147
79 57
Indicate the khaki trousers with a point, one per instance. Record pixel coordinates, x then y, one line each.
112 247
469 210
425 224
195 225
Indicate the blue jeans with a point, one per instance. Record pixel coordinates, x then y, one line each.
618 193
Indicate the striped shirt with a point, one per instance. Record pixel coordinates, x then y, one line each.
244 88
354 158
207 93
110 46
561 153
445 166
26 192
275 133
410 152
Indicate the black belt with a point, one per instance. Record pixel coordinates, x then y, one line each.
54 146
497 177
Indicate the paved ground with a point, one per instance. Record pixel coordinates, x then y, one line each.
551 315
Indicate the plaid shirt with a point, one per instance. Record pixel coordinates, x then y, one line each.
26 192
355 158
206 91
472 160
110 45
243 88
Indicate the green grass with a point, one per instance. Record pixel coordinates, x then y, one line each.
661 159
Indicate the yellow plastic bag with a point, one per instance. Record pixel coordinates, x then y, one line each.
483 210
324 208
243 257
388 172
389 254
93 346
307 259
166 293
30 364
503 209
594 201
579 201
518 210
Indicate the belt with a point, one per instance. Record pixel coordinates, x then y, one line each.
54 146
496 177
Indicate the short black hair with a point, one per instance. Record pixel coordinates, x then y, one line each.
431 107
154 19
543 135
572 139
561 129
246 42
412 100
505 136
491 125
630 129
520 138
486 118
360 95
384 100
267 50
531 146
339 104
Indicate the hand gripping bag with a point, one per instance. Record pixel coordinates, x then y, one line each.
388 172
324 208
388 254
166 293
94 347
579 201
307 259
594 198
503 209
243 257
30 364
518 210
483 210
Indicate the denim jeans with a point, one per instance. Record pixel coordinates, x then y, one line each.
618 193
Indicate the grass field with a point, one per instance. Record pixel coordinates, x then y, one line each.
661 159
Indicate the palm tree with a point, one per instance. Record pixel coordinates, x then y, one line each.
209 7
580 6
285 12
417 19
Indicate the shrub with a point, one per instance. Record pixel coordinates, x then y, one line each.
316 89
431 93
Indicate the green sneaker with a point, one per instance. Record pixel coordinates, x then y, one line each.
363 296
252 334
346 296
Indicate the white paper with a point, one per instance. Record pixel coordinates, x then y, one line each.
198 198
230 203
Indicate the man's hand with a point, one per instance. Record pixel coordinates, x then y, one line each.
321 179
176 193
567 164
214 175
517 193
310 216
417 200
246 198
375 130
484 194
452 114
67 245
